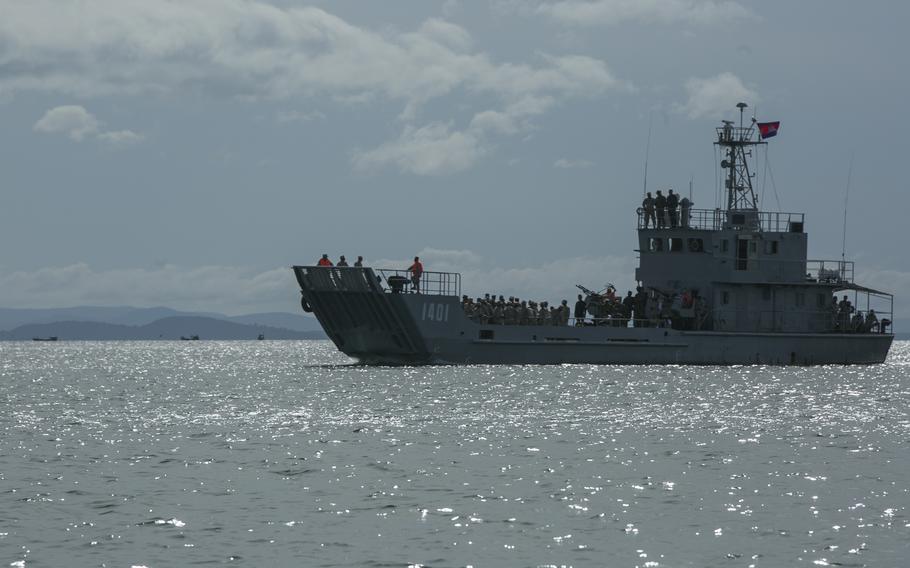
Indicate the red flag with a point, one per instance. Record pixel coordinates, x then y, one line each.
768 129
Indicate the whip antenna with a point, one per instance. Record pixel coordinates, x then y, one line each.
647 153
843 250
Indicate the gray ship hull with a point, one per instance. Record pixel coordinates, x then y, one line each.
374 326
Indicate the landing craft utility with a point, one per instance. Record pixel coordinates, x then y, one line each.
721 286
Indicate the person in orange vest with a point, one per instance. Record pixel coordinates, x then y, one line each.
416 271
611 294
324 261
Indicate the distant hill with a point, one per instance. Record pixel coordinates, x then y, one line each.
164 328
279 319
14 317
11 318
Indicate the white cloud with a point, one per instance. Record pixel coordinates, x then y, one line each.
253 49
430 150
715 95
566 163
439 149
77 123
72 120
447 33
611 12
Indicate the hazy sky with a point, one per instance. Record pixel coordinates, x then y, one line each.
186 153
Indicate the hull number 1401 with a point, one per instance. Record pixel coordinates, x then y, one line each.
435 312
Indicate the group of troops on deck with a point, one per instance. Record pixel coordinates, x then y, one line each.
643 309
666 211
850 320
514 311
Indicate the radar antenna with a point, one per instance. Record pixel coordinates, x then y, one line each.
736 144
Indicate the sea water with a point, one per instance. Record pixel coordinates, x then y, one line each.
286 454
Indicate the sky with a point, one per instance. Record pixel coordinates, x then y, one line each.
187 152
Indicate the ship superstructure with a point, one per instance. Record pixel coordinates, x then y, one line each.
731 285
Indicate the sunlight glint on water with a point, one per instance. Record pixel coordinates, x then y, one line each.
163 454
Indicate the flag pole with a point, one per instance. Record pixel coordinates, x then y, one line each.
843 249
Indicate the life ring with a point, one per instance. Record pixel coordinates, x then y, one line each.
695 245
305 305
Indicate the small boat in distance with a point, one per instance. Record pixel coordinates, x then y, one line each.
51 338
190 338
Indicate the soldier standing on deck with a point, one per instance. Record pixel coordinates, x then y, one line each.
672 205
647 206
660 203
685 206
416 271
641 304
580 308
628 304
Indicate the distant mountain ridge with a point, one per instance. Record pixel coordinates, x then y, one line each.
125 322
165 328
11 318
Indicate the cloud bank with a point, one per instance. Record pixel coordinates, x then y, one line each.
237 290
227 289
251 49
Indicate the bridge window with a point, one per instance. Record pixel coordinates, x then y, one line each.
724 245
742 254
725 298
655 244
675 244
771 247
821 300
486 334
800 299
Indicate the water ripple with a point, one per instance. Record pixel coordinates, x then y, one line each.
178 453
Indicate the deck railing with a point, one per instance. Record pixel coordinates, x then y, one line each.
367 279
830 271
719 219
430 283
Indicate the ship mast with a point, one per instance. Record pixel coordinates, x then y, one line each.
736 144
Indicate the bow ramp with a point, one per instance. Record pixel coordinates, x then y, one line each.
368 314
